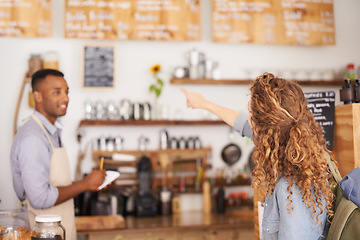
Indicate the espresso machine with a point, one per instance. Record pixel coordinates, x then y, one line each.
145 202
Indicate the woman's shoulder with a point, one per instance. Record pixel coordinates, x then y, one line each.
281 187
242 125
281 183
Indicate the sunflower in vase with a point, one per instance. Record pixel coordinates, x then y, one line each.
158 85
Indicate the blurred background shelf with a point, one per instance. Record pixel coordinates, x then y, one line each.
204 81
84 123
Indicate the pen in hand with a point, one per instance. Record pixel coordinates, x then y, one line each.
101 163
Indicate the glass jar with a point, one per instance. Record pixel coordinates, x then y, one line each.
35 64
51 60
48 227
16 224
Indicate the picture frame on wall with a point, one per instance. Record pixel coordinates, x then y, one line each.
98 66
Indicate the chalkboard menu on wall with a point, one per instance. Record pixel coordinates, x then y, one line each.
303 22
133 19
25 18
99 66
322 106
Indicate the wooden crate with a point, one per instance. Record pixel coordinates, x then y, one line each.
347 137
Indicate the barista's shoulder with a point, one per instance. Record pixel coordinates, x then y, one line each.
29 129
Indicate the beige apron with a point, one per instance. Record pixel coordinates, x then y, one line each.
59 176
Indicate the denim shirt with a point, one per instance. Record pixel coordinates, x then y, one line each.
277 222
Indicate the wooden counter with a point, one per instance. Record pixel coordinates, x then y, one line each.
188 225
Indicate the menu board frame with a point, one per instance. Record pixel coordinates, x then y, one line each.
281 22
26 18
98 66
160 20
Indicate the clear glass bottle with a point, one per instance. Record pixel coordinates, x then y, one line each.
48 227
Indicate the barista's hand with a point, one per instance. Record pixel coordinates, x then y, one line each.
194 100
95 179
91 182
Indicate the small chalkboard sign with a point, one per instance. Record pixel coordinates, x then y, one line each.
322 106
99 66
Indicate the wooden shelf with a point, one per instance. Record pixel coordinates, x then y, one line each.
204 81
182 154
165 165
84 123
186 150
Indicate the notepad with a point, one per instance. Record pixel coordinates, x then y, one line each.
123 157
110 177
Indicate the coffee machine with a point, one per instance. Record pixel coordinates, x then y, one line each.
145 202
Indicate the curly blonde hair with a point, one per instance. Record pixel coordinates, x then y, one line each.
289 143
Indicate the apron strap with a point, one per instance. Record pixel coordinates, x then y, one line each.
37 120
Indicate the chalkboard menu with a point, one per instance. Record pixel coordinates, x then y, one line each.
98 66
133 19
322 106
25 18
303 22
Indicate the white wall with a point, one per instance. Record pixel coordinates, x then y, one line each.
133 60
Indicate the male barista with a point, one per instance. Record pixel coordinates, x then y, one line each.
39 163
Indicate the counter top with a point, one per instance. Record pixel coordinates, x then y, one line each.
184 221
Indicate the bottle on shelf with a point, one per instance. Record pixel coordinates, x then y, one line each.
206 197
221 200
176 204
182 187
350 71
165 201
347 94
357 90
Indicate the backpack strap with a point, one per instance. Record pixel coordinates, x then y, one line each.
333 168
343 211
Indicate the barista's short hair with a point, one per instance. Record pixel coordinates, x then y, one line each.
40 75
